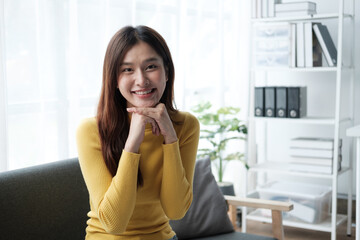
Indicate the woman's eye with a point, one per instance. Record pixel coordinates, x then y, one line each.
127 70
152 66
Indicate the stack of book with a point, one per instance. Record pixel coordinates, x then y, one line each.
308 50
313 154
295 9
312 40
278 8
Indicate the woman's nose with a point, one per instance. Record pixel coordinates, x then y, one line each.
140 79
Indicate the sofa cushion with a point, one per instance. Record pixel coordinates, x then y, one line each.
44 202
207 214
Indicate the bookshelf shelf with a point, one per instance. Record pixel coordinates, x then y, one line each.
301 18
287 169
267 136
304 120
294 69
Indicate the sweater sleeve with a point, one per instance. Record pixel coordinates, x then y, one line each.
178 170
111 197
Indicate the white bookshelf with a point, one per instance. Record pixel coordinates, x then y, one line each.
266 165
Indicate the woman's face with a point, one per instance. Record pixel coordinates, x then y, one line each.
142 78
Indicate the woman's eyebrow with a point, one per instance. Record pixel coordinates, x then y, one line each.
125 63
152 59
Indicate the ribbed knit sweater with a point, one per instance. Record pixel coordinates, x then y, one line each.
121 210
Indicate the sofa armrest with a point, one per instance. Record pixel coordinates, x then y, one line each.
276 208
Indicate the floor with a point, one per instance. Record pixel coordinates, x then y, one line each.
298 234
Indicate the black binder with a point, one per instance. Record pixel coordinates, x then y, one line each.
270 101
259 102
296 102
281 102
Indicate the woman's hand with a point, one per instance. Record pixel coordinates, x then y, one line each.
161 118
137 131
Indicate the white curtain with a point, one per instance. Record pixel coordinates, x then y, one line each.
51 64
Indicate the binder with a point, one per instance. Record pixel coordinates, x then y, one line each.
281 102
270 101
259 102
296 102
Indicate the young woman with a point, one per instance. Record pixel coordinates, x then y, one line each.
138 154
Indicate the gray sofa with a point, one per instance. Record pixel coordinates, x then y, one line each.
50 201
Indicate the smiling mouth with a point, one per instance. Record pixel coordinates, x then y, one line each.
144 92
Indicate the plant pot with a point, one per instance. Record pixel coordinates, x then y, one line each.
227 188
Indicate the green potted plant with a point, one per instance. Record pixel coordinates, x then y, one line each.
219 127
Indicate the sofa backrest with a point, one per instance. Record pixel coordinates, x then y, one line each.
49 201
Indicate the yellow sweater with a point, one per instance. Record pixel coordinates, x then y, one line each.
121 210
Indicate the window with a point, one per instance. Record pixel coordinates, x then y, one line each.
52 54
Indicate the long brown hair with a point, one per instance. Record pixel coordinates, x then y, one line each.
112 117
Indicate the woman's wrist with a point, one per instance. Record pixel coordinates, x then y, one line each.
171 137
170 140
133 148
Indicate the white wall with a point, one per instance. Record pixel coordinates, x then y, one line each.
3 135
357 72
357 63
59 46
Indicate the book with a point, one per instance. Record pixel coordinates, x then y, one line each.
271 8
258 8
294 13
315 161
313 57
293 45
295 6
308 43
308 152
254 9
313 143
312 168
264 8
327 45
316 52
300 46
